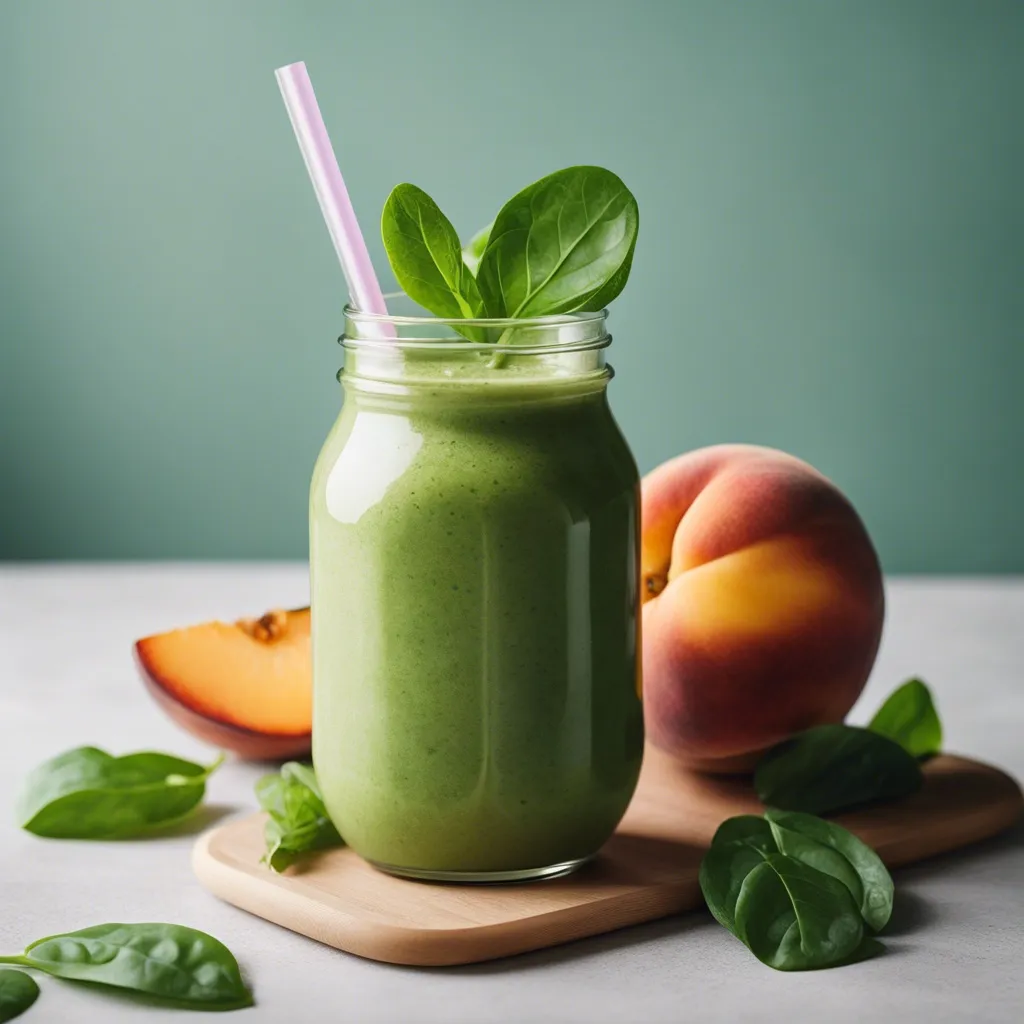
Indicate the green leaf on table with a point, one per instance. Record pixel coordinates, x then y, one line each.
909 717
833 767
750 829
18 991
87 793
298 821
796 890
837 852
565 243
473 250
739 846
426 256
794 917
171 962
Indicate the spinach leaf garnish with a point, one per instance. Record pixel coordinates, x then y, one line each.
909 717
837 852
178 965
473 250
798 891
563 244
794 918
426 255
18 991
86 793
298 821
834 767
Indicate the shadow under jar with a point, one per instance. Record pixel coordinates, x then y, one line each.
474 574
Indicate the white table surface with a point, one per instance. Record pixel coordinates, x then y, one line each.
956 949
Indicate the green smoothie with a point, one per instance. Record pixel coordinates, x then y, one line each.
474 600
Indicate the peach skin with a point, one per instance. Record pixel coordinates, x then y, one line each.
763 603
245 686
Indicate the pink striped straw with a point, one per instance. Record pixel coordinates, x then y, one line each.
322 164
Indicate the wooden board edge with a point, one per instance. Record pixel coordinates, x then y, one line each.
1000 812
438 947
284 905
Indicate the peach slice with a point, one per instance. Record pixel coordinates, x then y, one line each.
244 686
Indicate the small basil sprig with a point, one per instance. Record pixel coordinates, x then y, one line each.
796 890
908 717
298 821
18 992
86 793
179 965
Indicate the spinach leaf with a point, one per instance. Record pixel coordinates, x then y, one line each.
796 890
869 948
169 961
739 846
426 256
794 917
298 821
18 992
473 250
833 767
86 793
750 829
909 717
835 851
564 243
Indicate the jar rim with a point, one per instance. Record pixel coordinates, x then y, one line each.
361 316
412 332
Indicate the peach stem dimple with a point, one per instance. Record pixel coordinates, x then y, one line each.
654 584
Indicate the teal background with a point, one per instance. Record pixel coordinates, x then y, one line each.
830 258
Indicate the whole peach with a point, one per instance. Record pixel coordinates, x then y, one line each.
763 603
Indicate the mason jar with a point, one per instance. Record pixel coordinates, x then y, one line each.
474 539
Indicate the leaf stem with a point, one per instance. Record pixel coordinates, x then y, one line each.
498 359
21 961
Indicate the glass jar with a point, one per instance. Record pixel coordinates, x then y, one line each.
474 573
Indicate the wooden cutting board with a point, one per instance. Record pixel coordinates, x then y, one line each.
648 869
